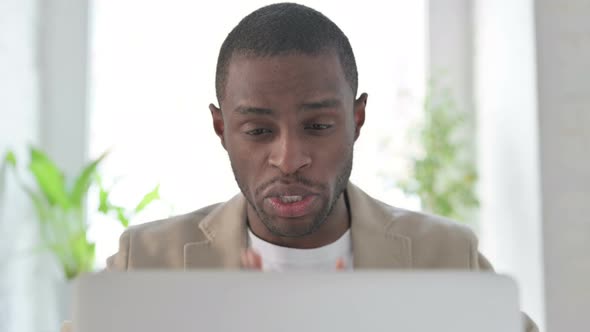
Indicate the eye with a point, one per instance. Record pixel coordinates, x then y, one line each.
258 132
318 126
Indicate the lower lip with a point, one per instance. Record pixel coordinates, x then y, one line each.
292 210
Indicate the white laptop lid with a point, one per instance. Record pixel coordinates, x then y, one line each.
311 302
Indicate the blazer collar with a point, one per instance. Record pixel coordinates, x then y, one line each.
226 235
375 244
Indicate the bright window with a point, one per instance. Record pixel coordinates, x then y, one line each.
153 69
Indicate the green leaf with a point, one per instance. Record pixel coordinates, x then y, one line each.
84 181
49 179
39 203
122 217
103 201
441 179
83 254
148 199
10 159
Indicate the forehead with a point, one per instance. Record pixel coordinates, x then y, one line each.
284 78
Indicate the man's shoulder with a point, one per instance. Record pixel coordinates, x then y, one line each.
411 224
436 241
421 225
414 225
159 244
173 224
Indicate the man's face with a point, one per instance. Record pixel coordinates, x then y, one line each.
289 124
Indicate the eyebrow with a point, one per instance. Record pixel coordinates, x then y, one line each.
245 110
327 103
250 110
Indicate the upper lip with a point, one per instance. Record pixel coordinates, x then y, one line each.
287 190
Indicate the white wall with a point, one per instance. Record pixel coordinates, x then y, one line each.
508 145
63 56
43 45
563 48
18 126
450 47
450 65
533 93
470 51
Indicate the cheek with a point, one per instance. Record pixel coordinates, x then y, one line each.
246 160
332 157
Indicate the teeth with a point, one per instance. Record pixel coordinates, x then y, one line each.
291 199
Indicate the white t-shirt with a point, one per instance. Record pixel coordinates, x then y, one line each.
277 258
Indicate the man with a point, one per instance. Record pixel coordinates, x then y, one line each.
288 118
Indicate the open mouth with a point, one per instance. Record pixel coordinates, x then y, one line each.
291 199
291 206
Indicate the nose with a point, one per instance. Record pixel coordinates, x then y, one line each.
289 154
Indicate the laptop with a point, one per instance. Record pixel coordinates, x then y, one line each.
216 301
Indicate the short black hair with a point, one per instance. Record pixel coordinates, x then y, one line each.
285 28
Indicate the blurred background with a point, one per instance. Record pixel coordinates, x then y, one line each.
478 110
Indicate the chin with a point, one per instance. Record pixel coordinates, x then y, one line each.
293 227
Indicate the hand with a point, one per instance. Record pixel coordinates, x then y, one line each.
251 260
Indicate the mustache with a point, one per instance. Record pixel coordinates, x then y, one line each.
295 179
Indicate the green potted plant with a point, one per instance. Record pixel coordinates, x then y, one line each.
60 206
443 174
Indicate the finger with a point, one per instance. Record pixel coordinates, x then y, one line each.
340 266
251 260
256 260
244 259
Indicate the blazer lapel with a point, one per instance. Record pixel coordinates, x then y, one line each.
375 245
225 232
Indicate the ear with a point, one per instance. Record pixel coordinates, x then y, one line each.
359 114
218 124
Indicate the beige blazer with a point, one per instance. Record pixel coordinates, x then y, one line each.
383 237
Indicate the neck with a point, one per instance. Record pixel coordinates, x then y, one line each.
331 230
